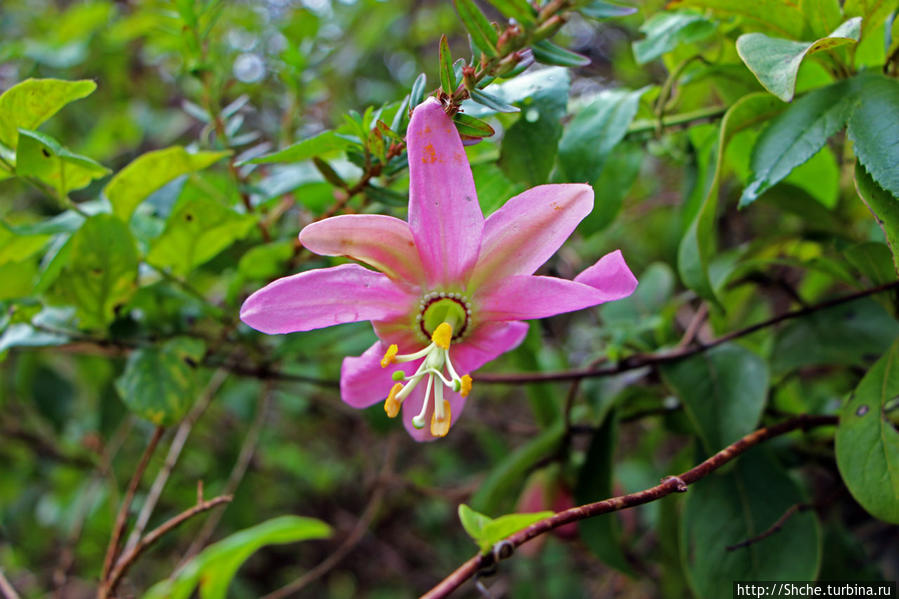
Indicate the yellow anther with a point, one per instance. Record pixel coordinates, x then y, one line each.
442 335
392 405
440 427
466 386
389 356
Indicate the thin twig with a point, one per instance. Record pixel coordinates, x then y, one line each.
641 360
122 517
368 514
669 485
125 562
6 588
177 445
247 450
778 524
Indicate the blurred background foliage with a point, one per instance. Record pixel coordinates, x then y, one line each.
116 323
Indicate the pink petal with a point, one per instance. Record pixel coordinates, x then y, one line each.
611 274
324 297
486 343
400 331
382 242
529 228
526 297
362 380
444 214
412 406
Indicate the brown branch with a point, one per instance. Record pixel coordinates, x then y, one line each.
669 485
778 524
122 517
107 588
6 588
368 514
640 360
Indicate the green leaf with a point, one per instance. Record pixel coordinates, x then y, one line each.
28 104
884 206
874 129
447 77
665 31
101 271
148 172
599 9
796 135
843 335
322 143
504 479
519 10
158 382
418 90
529 146
723 391
491 101
697 247
594 483
619 172
482 32
470 127
867 442
486 531
725 509
775 61
215 567
874 260
594 132
43 158
547 52
197 230
782 17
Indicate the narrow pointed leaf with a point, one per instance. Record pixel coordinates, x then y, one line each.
665 31
322 143
547 52
471 127
482 32
519 10
491 101
599 9
418 90
447 77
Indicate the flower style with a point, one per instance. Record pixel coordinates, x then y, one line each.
453 288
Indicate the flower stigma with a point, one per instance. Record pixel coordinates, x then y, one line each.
439 371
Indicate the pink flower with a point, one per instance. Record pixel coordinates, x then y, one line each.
453 288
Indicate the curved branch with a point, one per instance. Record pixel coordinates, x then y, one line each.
668 486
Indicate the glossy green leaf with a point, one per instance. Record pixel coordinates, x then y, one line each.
874 129
594 132
492 102
843 335
697 247
16 248
148 172
725 509
723 391
867 442
498 489
41 157
482 32
519 10
418 90
619 172
322 143
158 382
781 17
883 205
872 12
529 146
823 16
471 127
796 135
101 271
594 483
546 52
447 77
874 260
214 568
195 232
599 9
665 31
486 531
775 61
28 104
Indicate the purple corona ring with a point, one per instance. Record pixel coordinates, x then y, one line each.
449 289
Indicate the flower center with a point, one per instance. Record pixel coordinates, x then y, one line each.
436 362
438 307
